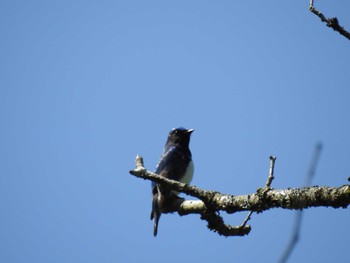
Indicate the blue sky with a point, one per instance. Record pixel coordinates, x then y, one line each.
87 85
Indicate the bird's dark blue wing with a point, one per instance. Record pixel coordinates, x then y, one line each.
173 163
165 159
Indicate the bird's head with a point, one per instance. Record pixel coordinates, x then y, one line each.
179 136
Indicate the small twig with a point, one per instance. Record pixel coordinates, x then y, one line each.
139 162
247 219
313 164
331 22
267 185
272 168
299 214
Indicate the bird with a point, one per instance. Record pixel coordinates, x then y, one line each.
175 163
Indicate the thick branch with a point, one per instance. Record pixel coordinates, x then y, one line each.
264 199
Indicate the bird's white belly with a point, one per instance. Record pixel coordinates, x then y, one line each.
189 173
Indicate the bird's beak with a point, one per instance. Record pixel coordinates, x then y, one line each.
190 131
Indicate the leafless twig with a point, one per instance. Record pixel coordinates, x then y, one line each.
331 22
267 185
299 214
272 168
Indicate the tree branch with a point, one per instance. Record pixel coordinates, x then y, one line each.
299 214
211 202
331 22
272 169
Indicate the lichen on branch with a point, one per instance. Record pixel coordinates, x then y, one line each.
210 203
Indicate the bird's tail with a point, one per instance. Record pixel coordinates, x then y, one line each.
157 201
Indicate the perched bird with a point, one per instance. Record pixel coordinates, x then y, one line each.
175 163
